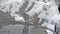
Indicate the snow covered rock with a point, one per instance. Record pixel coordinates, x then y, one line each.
36 8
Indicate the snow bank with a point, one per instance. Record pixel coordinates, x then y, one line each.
19 18
49 32
12 6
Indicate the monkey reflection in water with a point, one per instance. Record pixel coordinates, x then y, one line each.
26 27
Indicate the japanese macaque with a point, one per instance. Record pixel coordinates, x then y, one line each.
35 21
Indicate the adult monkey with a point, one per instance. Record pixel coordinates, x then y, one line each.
25 8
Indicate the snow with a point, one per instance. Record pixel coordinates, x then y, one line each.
10 1
52 11
36 9
12 6
50 26
49 32
21 19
